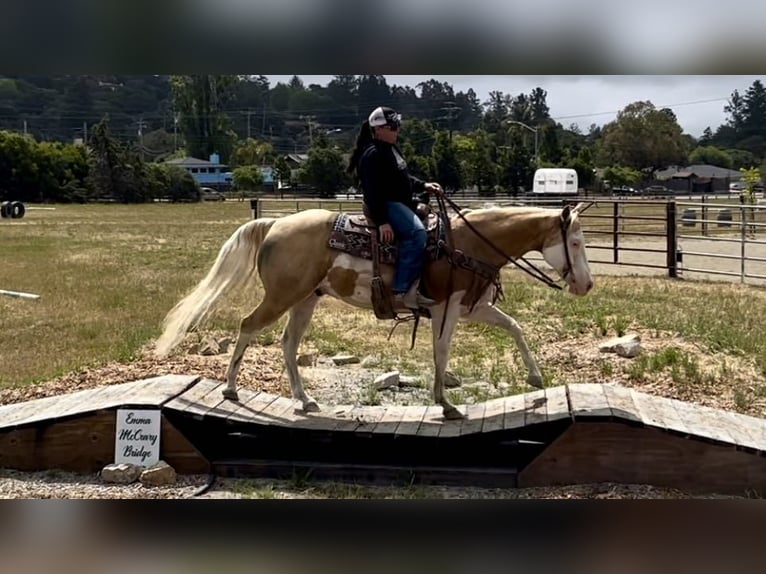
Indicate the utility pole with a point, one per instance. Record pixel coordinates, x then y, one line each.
248 124
452 111
530 128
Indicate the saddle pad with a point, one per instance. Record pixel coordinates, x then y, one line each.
351 233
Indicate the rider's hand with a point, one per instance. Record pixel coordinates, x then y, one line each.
433 187
386 233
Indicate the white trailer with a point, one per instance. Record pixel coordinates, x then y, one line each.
555 181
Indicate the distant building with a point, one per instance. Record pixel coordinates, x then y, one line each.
210 173
214 174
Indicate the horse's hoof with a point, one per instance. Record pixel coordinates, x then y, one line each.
535 381
311 407
231 395
452 414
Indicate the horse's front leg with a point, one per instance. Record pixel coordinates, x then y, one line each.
491 315
441 348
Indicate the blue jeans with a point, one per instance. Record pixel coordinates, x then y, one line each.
410 236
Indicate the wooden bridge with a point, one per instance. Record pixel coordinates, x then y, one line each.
578 433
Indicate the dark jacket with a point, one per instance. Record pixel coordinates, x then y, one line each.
384 177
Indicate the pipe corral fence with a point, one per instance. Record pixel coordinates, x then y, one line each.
706 237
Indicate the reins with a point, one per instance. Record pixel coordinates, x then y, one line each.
535 272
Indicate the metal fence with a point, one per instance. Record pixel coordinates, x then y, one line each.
711 236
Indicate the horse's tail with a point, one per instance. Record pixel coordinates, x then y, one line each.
234 266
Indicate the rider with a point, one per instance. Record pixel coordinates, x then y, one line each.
388 190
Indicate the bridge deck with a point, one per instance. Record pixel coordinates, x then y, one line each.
201 398
564 434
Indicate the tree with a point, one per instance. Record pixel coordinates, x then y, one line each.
201 100
750 177
644 138
247 178
324 169
446 165
108 177
710 155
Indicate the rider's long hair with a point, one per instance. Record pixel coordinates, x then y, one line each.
362 141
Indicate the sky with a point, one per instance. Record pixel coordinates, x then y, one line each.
698 101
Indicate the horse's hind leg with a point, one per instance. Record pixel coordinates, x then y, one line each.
491 315
264 315
297 323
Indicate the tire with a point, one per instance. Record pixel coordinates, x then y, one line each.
4 209
17 210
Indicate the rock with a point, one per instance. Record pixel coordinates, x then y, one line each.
122 473
344 359
611 345
628 350
161 474
370 361
451 380
406 381
387 380
194 349
307 359
223 344
209 346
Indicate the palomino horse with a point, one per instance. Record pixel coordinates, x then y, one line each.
297 266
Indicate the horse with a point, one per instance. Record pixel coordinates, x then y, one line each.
297 264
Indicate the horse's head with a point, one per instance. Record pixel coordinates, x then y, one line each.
564 250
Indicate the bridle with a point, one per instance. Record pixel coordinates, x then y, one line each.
533 271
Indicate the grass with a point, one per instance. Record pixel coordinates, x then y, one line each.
108 274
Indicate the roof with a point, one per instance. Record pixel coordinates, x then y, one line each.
701 171
297 157
192 162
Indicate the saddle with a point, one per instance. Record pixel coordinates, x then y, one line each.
357 235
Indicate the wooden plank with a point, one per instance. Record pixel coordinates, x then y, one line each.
158 390
364 418
535 408
621 402
240 413
411 420
390 420
326 420
558 403
474 419
747 431
593 452
513 416
188 399
588 400
83 444
251 411
433 419
279 411
649 409
208 401
493 415
703 422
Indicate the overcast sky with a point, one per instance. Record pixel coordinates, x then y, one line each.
697 101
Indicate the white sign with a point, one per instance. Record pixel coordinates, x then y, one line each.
137 440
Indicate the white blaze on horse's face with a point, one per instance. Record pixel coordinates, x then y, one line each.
555 253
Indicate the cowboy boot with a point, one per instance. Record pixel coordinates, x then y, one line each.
413 299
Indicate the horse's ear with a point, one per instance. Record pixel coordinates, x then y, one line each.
582 207
566 213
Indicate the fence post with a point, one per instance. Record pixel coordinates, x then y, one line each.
615 232
672 240
704 216
743 238
255 208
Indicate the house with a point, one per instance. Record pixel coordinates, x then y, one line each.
700 178
210 173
